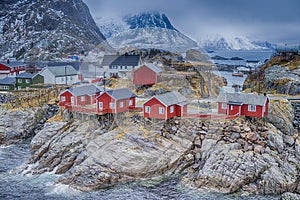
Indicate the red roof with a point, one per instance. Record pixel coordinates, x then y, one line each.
4 67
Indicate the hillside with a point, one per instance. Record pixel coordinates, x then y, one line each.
280 75
45 30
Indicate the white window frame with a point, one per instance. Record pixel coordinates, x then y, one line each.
121 104
19 80
231 107
224 106
100 105
72 99
130 102
62 79
161 110
19 87
171 109
251 108
63 98
82 98
112 105
147 109
27 80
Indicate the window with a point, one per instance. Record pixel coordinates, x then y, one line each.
100 105
71 78
125 67
161 110
251 108
224 106
112 106
63 98
130 103
231 107
147 109
27 80
62 79
19 80
171 109
72 100
82 98
121 104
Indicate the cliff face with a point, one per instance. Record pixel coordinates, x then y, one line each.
44 30
251 157
280 75
245 156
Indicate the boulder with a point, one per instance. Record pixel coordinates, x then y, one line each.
289 196
252 136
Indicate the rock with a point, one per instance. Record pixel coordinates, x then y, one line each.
275 141
290 196
236 129
247 129
197 142
289 140
276 180
252 136
234 135
88 160
17 125
258 149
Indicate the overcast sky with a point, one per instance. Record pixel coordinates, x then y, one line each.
276 21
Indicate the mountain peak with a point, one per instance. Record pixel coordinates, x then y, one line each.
144 30
148 20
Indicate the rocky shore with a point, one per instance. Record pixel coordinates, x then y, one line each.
245 156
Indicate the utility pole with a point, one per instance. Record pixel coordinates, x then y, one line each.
104 80
66 75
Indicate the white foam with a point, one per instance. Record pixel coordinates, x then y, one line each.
62 189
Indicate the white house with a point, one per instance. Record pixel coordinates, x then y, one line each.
60 75
120 65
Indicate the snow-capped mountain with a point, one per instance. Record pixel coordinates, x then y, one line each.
231 43
44 29
145 30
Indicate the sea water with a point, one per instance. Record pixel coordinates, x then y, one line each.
14 185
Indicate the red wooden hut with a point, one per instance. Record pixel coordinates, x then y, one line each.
116 101
165 106
146 74
252 105
80 96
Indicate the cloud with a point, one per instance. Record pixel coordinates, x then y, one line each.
272 20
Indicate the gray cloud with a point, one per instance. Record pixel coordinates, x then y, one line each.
273 20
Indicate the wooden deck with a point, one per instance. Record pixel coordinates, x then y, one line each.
91 109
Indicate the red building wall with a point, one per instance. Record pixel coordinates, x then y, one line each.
154 109
220 110
67 94
181 110
234 109
86 101
106 100
257 113
144 76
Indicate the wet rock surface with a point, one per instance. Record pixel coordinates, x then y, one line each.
17 125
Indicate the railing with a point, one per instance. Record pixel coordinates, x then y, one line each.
212 116
94 110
